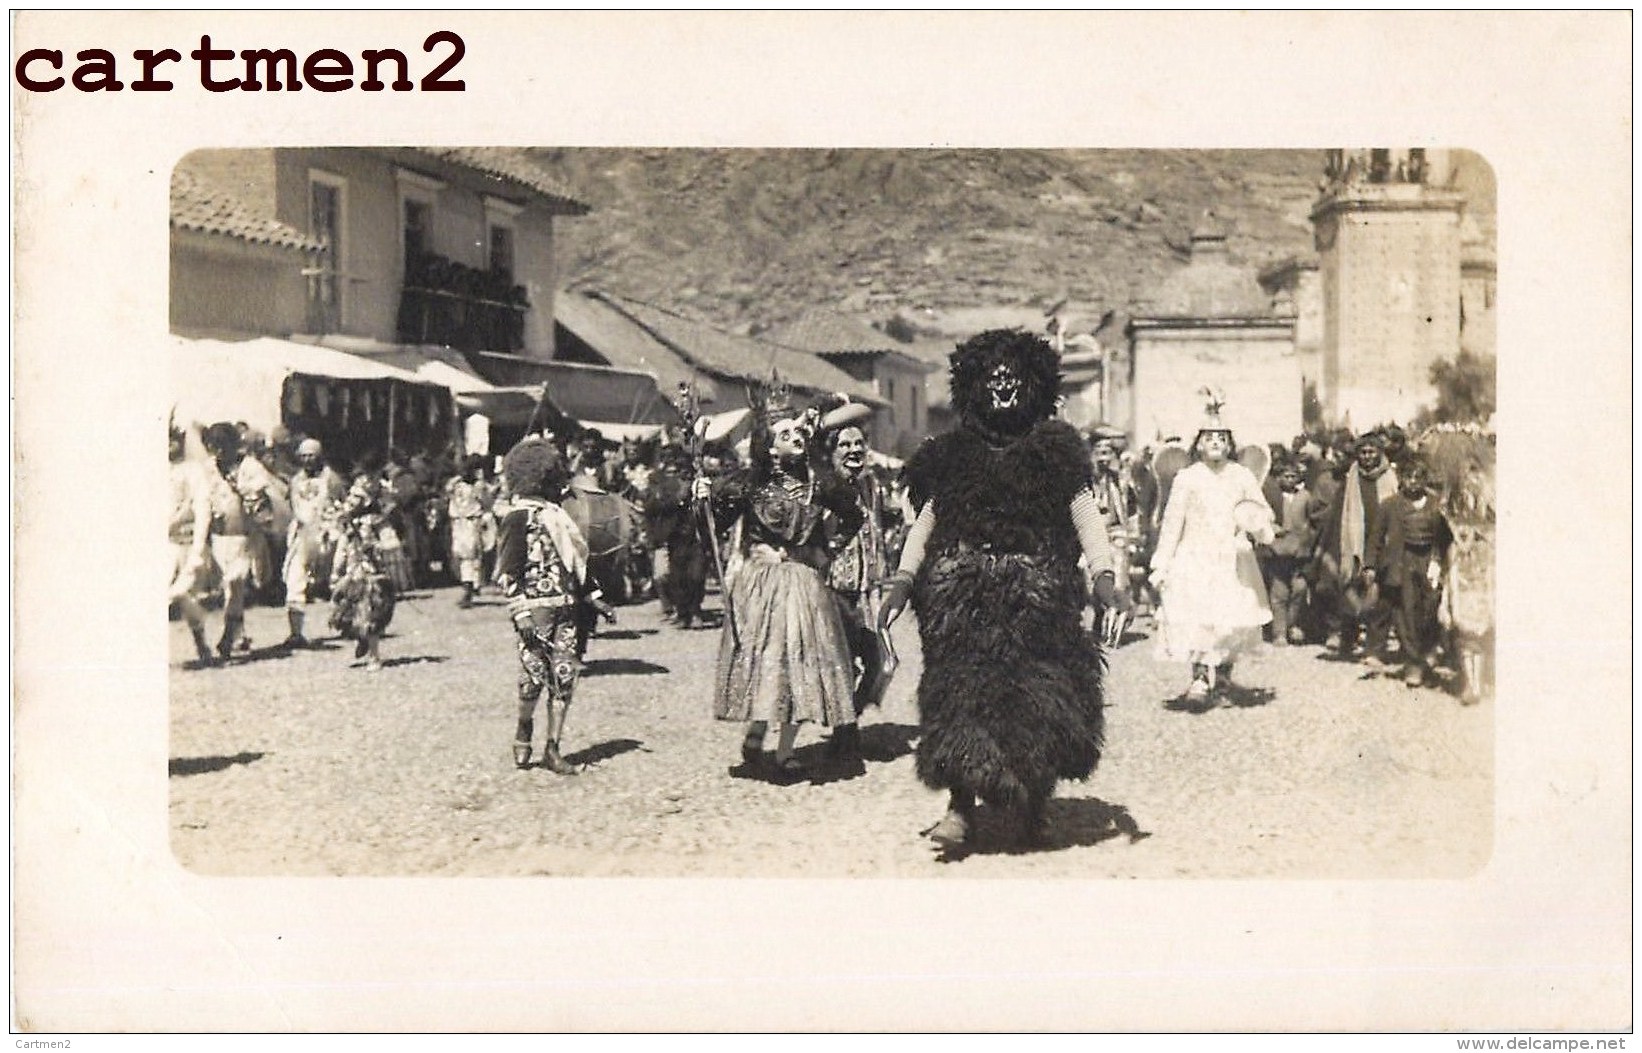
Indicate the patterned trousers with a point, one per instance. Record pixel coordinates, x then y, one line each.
547 656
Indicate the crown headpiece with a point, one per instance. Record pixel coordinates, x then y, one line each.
772 400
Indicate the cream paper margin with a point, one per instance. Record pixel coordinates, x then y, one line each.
110 934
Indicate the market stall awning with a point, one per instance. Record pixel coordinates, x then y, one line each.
245 380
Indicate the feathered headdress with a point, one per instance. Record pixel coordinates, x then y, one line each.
1214 404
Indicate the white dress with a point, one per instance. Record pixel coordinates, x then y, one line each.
1214 601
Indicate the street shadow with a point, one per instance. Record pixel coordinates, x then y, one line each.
416 659
273 652
1330 655
1182 704
1237 696
1074 823
625 634
1247 697
622 667
882 743
603 751
203 765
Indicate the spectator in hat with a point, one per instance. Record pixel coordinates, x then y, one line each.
1350 598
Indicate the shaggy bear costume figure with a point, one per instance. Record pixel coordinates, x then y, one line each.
1010 699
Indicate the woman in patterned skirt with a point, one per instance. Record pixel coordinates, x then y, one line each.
784 656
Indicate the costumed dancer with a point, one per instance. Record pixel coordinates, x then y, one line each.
190 533
464 500
399 500
859 571
232 527
541 567
1010 699
309 547
363 591
1214 601
784 657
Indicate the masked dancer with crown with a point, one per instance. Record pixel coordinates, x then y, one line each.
784 656
1010 700
1214 600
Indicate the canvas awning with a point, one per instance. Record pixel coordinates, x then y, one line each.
266 381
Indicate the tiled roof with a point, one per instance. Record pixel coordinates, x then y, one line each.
623 342
832 335
197 205
819 331
740 357
512 166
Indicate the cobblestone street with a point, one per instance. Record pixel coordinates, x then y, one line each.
306 764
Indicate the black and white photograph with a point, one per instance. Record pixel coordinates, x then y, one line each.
494 448
637 526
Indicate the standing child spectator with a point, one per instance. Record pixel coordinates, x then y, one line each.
1409 557
1284 562
541 566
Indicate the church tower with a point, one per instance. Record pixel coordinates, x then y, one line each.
1387 231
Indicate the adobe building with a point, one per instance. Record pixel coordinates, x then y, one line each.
445 246
1211 325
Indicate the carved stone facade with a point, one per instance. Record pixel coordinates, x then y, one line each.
1389 257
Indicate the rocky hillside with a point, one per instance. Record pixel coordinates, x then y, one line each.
751 238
